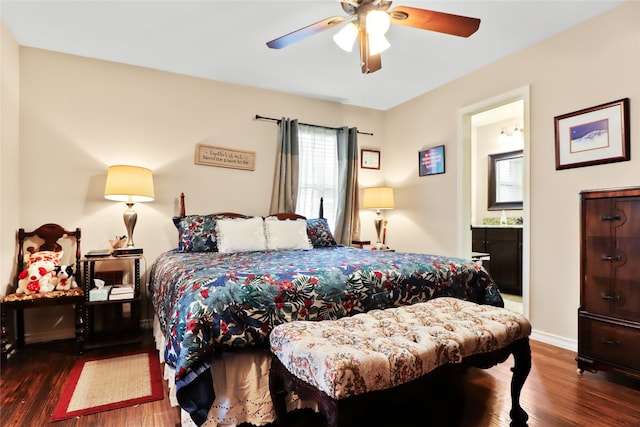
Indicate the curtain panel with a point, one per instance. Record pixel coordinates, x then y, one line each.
347 222
285 183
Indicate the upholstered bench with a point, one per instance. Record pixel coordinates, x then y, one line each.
340 363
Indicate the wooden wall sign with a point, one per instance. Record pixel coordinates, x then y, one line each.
209 155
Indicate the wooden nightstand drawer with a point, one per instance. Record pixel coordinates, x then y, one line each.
614 343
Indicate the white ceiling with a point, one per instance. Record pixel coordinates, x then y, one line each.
225 41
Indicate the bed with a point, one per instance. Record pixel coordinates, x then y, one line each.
217 297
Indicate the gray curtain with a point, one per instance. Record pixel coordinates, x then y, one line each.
347 224
285 182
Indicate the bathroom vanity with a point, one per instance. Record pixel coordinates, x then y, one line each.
503 243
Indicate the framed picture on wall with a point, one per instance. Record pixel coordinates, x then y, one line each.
593 136
431 161
370 159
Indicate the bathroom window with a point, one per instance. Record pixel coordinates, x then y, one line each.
505 180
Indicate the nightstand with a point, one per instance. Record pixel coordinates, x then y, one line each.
111 321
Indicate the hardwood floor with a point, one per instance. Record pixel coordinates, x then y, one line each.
554 395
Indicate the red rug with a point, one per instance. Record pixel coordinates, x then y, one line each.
105 383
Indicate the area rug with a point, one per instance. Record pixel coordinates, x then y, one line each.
106 383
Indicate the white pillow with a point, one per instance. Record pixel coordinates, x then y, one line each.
286 234
240 235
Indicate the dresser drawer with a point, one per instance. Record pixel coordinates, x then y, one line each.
619 345
622 300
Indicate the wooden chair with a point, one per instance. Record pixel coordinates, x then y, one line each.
48 237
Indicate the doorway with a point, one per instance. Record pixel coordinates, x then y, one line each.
486 119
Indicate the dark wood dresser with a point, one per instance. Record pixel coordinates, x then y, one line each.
609 313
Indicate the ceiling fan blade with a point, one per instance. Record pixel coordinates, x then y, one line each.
305 32
441 22
369 63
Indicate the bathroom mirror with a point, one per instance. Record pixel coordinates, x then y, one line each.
505 181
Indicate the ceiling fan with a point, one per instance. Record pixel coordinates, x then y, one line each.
368 22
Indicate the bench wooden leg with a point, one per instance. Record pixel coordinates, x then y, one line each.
521 368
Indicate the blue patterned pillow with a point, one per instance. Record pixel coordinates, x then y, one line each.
319 233
197 233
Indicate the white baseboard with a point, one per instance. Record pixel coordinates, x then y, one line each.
555 340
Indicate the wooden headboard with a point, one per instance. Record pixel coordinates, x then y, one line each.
281 216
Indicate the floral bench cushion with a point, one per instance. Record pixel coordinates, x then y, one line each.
381 349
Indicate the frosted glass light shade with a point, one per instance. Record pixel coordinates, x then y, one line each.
378 198
130 184
378 44
346 37
378 22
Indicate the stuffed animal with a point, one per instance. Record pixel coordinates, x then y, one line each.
65 278
36 278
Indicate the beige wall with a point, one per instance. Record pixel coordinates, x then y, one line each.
593 63
9 154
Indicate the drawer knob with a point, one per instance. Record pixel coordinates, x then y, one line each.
611 343
611 218
612 258
610 297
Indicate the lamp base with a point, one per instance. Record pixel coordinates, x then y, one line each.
130 218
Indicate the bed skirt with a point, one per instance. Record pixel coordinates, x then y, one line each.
241 384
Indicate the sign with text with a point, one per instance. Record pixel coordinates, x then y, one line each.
209 155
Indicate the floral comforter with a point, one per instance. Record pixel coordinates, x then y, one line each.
208 301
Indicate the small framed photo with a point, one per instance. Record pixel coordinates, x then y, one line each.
593 136
370 159
431 161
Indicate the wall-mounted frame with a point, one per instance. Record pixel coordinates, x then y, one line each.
593 136
208 155
370 159
505 181
431 161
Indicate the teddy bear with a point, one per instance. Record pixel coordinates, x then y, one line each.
65 278
36 278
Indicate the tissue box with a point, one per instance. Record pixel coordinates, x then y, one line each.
99 294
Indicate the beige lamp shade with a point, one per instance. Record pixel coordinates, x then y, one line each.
130 184
378 198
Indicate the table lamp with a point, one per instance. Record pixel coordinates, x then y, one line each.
129 184
378 198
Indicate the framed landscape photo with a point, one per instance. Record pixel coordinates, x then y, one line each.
593 136
431 161
370 159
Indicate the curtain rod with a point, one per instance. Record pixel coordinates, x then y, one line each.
271 119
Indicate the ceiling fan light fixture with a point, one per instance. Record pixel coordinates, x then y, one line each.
378 44
346 37
378 22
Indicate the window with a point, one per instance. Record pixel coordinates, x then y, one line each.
318 172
